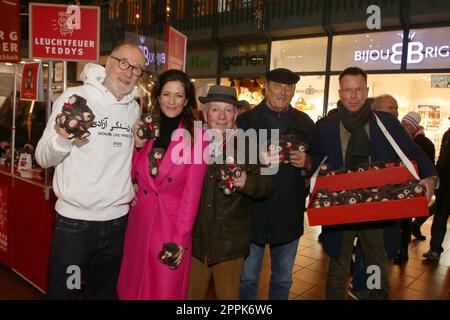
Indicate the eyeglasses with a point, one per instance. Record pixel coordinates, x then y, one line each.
125 65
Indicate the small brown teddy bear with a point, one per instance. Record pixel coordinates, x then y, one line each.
76 117
229 170
154 160
168 253
150 128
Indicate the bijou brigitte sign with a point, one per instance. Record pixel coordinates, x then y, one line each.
417 52
64 32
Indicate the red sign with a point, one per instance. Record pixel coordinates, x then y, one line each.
176 49
10 31
64 32
30 81
3 219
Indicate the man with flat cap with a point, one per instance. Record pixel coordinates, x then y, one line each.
278 221
221 234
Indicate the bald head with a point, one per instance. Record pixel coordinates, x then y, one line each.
386 103
122 65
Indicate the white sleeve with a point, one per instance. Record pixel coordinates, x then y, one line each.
53 148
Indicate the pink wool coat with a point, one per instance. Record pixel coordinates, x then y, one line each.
165 212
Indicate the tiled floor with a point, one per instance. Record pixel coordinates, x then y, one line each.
416 279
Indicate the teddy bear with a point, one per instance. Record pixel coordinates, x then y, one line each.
324 169
287 143
76 117
154 160
377 165
150 128
227 171
168 253
290 143
9 156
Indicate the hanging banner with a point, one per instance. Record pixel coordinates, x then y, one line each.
10 31
32 87
64 32
176 49
3 219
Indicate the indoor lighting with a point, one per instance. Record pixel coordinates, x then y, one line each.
22 62
8 64
137 15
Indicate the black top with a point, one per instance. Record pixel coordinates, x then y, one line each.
168 126
426 145
443 163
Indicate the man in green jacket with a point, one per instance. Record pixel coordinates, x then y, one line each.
222 230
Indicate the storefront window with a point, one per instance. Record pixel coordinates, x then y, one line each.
300 55
30 121
249 89
413 92
372 51
201 88
309 96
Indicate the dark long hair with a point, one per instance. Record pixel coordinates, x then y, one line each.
190 111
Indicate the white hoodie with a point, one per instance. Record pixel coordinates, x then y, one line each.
92 180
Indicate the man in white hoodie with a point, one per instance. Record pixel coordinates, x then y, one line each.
92 179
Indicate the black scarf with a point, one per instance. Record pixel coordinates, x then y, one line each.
358 148
168 126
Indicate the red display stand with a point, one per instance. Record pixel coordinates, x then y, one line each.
32 231
364 212
5 217
30 227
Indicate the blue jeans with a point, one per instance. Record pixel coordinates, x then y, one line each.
95 248
282 259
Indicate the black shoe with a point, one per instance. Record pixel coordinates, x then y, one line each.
431 255
320 237
415 230
402 257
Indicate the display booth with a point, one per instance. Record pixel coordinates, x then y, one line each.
26 197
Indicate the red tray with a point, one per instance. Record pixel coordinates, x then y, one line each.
364 212
370 178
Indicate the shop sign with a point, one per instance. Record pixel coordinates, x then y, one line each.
176 49
64 32
202 62
417 52
3 218
32 87
244 61
10 31
153 50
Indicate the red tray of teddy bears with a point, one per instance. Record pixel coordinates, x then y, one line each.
365 212
392 174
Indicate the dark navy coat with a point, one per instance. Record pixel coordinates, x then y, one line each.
279 219
380 150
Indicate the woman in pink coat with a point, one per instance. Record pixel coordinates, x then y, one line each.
167 204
